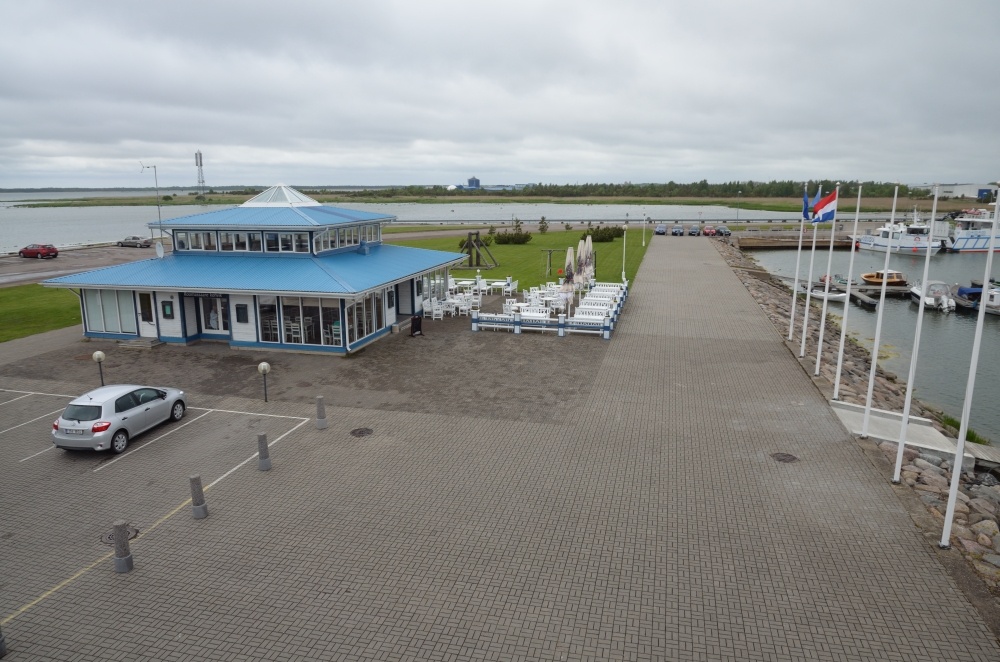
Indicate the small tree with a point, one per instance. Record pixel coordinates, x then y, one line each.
543 226
569 226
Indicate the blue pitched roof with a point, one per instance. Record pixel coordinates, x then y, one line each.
339 274
262 218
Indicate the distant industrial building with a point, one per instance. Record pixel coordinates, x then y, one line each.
980 192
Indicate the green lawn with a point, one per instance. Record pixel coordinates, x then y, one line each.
31 309
526 262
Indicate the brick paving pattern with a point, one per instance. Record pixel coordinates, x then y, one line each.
605 501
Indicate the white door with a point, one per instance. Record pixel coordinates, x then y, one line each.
147 315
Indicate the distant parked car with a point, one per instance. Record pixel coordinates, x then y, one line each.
722 231
39 251
661 229
108 417
136 242
709 231
677 231
694 231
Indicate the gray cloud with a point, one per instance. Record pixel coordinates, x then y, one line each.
434 92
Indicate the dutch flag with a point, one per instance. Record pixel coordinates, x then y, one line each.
825 209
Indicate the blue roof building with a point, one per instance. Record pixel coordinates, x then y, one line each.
280 271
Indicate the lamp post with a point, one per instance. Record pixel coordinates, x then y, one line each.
624 238
644 221
738 194
99 359
156 181
263 368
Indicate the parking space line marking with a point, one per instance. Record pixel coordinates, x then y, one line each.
248 413
151 442
32 420
66 582
17 398
36 454
54 395
301 423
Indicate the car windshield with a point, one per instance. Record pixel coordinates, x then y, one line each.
82 413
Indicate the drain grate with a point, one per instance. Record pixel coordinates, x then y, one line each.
361 432
784 457
109 537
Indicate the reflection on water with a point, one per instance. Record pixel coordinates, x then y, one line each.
946 339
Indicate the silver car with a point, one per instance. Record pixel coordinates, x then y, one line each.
110 416
136 242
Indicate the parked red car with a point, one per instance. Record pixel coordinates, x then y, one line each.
39 251
709 231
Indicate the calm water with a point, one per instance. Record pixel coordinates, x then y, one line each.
946 339
75 226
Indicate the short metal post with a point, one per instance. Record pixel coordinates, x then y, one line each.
198 506
321 422
123 557
263 454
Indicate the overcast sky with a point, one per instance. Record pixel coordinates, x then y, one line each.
434 92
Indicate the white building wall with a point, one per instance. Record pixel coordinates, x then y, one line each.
169 328
243 332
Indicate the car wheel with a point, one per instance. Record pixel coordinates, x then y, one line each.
39 256
177 411
121 245
119 442
20 254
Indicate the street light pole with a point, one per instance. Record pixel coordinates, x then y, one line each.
624 239
644 221
738 194
99 360
156 181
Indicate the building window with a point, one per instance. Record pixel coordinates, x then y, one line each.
271 242
196 241
390 298
110 311
146 307
254 239
268 307
168 309
226 241
286 242
209 241
301 242
181 240
240 241
242 314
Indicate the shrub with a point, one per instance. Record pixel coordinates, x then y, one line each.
608 233
569 226
543 226
518 236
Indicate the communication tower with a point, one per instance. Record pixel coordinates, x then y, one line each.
201 175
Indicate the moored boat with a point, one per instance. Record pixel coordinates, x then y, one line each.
937 295
971 233
891 278
818 292
914 237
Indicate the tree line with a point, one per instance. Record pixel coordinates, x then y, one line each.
727 190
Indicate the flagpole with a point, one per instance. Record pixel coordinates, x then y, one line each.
809 280
878 322
916 349
798 257
847 304
956 468
826 287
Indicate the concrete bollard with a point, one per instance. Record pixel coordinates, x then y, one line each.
321 422
123 557
198 506
263 454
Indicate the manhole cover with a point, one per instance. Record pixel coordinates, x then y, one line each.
109 537
784 457
361 432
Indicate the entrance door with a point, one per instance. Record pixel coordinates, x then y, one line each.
147 315
214 315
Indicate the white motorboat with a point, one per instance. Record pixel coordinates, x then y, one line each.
913 237
971 233
937 296
832 296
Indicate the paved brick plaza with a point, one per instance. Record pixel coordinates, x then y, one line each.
529 498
